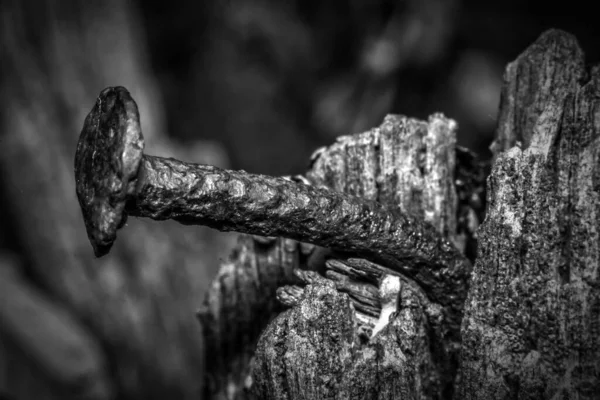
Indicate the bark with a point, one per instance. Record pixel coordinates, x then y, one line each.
532 321
138 305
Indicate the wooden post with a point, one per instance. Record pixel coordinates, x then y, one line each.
531 327
532 321
342 337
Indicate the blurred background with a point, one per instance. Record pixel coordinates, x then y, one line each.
245 84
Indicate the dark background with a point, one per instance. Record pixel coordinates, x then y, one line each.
245 84
296 74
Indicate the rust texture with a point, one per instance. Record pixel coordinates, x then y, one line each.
107 162
114 179
238 201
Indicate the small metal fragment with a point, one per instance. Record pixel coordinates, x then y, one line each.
389 291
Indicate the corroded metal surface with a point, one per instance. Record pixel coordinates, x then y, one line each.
106 162
108 176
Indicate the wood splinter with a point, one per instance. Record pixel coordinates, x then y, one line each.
115 179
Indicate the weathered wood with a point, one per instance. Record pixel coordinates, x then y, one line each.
238 305
411 165
532 321
313 352
315 349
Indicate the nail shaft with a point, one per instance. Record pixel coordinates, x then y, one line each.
198 194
